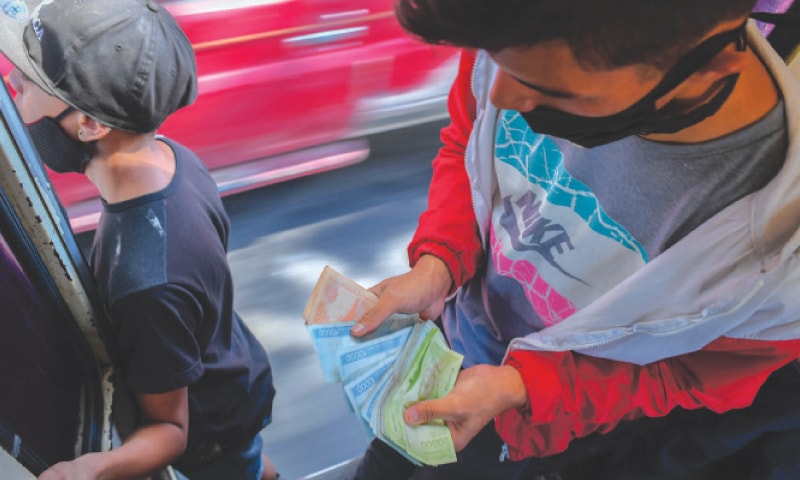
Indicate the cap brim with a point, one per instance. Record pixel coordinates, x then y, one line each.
15 17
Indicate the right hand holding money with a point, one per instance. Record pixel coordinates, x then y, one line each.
480 394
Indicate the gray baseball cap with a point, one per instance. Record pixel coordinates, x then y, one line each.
125 63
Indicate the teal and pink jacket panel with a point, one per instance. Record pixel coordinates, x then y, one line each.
701 325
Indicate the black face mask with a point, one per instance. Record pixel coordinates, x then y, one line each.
642 117
56 149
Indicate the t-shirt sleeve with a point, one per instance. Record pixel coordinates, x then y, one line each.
155 341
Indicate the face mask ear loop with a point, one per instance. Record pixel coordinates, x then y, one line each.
64 113
741 42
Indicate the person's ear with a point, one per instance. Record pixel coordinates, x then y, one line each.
728 62
90 130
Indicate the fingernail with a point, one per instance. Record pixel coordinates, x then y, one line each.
412 416
357 328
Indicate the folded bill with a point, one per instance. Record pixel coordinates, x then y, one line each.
337 298
404 361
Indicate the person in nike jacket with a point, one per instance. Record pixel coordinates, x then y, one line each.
611 238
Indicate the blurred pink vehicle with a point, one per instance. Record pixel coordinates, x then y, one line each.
290 88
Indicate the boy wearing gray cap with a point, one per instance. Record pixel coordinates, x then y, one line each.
94 80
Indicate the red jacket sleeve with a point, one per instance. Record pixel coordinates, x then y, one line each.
572 395
448 228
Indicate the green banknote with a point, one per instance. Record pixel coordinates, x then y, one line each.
428 370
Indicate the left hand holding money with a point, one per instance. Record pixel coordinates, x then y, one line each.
481 393
422 290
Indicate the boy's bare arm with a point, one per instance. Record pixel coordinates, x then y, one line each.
157 442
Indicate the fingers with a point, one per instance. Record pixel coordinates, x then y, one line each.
50 474
417 291
425 411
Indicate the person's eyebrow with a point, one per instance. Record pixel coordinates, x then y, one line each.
547 91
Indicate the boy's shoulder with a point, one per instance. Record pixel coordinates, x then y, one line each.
129 250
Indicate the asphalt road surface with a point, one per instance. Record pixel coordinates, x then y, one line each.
358 220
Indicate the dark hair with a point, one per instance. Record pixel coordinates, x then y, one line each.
600 33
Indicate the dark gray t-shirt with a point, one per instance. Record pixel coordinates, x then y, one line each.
661 192
160 261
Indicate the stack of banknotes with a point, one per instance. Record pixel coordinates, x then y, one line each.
404 361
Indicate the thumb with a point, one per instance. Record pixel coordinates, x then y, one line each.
369 322
372 319
425 411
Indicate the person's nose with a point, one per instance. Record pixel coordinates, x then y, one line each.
508 94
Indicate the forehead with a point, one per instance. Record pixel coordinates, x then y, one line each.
551 68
